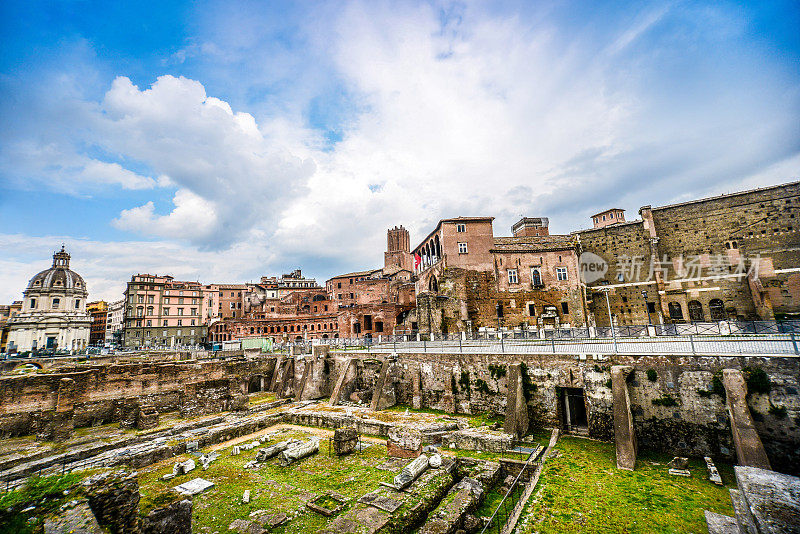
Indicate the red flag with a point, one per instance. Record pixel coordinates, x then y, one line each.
417 261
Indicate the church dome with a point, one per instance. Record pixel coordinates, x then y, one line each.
59 276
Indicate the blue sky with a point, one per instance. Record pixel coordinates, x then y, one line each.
222 141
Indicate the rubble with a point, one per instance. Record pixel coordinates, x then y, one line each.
411 472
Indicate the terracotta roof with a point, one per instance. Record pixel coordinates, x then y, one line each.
606 211
357 273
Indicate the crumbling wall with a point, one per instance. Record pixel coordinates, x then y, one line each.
96 394
673 403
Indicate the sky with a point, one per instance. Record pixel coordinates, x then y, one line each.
223 141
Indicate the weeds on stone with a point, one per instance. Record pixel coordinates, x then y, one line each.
666 400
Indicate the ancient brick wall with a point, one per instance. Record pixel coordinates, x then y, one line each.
677 412
95 394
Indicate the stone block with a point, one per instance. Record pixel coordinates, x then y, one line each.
194 486
404 442
478 439
345 440
175 518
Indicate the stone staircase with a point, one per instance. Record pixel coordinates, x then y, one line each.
765 502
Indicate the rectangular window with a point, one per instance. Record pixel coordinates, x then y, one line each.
564 308
462 248
531 310
512 276
166 311
561 273
149 322
460 228
233 305
166 300
180 323
194 311
141 299
193 323
164 324
180 311
180 299
150 299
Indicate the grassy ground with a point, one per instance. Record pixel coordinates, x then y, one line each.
583 491
273 488
262 397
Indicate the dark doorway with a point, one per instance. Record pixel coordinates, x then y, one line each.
256 384
574 410
51 343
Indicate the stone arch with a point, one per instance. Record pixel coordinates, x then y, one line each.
717 310
675 311
256 384
433 284
695 311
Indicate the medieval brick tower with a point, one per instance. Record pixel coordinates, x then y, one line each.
398 250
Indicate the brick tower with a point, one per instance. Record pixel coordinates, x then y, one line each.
398 250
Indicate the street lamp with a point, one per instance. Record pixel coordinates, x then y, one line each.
610 320
647 307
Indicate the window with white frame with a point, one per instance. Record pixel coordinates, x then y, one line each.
462 248
536 277
461 228
561 273
512 276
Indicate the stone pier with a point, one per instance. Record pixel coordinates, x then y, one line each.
624 435
749 449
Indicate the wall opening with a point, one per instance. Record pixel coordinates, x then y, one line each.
574 418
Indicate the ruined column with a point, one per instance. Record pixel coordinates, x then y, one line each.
307 371
273 385
624 434
416 398
516 421
347 375
379 385
749 449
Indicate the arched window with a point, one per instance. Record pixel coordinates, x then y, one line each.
56 303
717 310
252 330
695 311
675 311
433 285
536 277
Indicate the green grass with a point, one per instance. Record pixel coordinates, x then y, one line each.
273 488
46 493
583 491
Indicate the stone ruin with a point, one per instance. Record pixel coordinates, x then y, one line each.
410 472
298 452
345 440
404 442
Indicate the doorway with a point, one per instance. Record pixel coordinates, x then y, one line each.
574 411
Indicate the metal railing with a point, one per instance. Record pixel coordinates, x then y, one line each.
775 344
505 510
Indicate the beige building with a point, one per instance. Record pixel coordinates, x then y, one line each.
53 315
163 312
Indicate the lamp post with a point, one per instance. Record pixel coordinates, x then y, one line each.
647 307
610 320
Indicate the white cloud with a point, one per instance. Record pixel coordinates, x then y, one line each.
107 266
448 110
192 217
